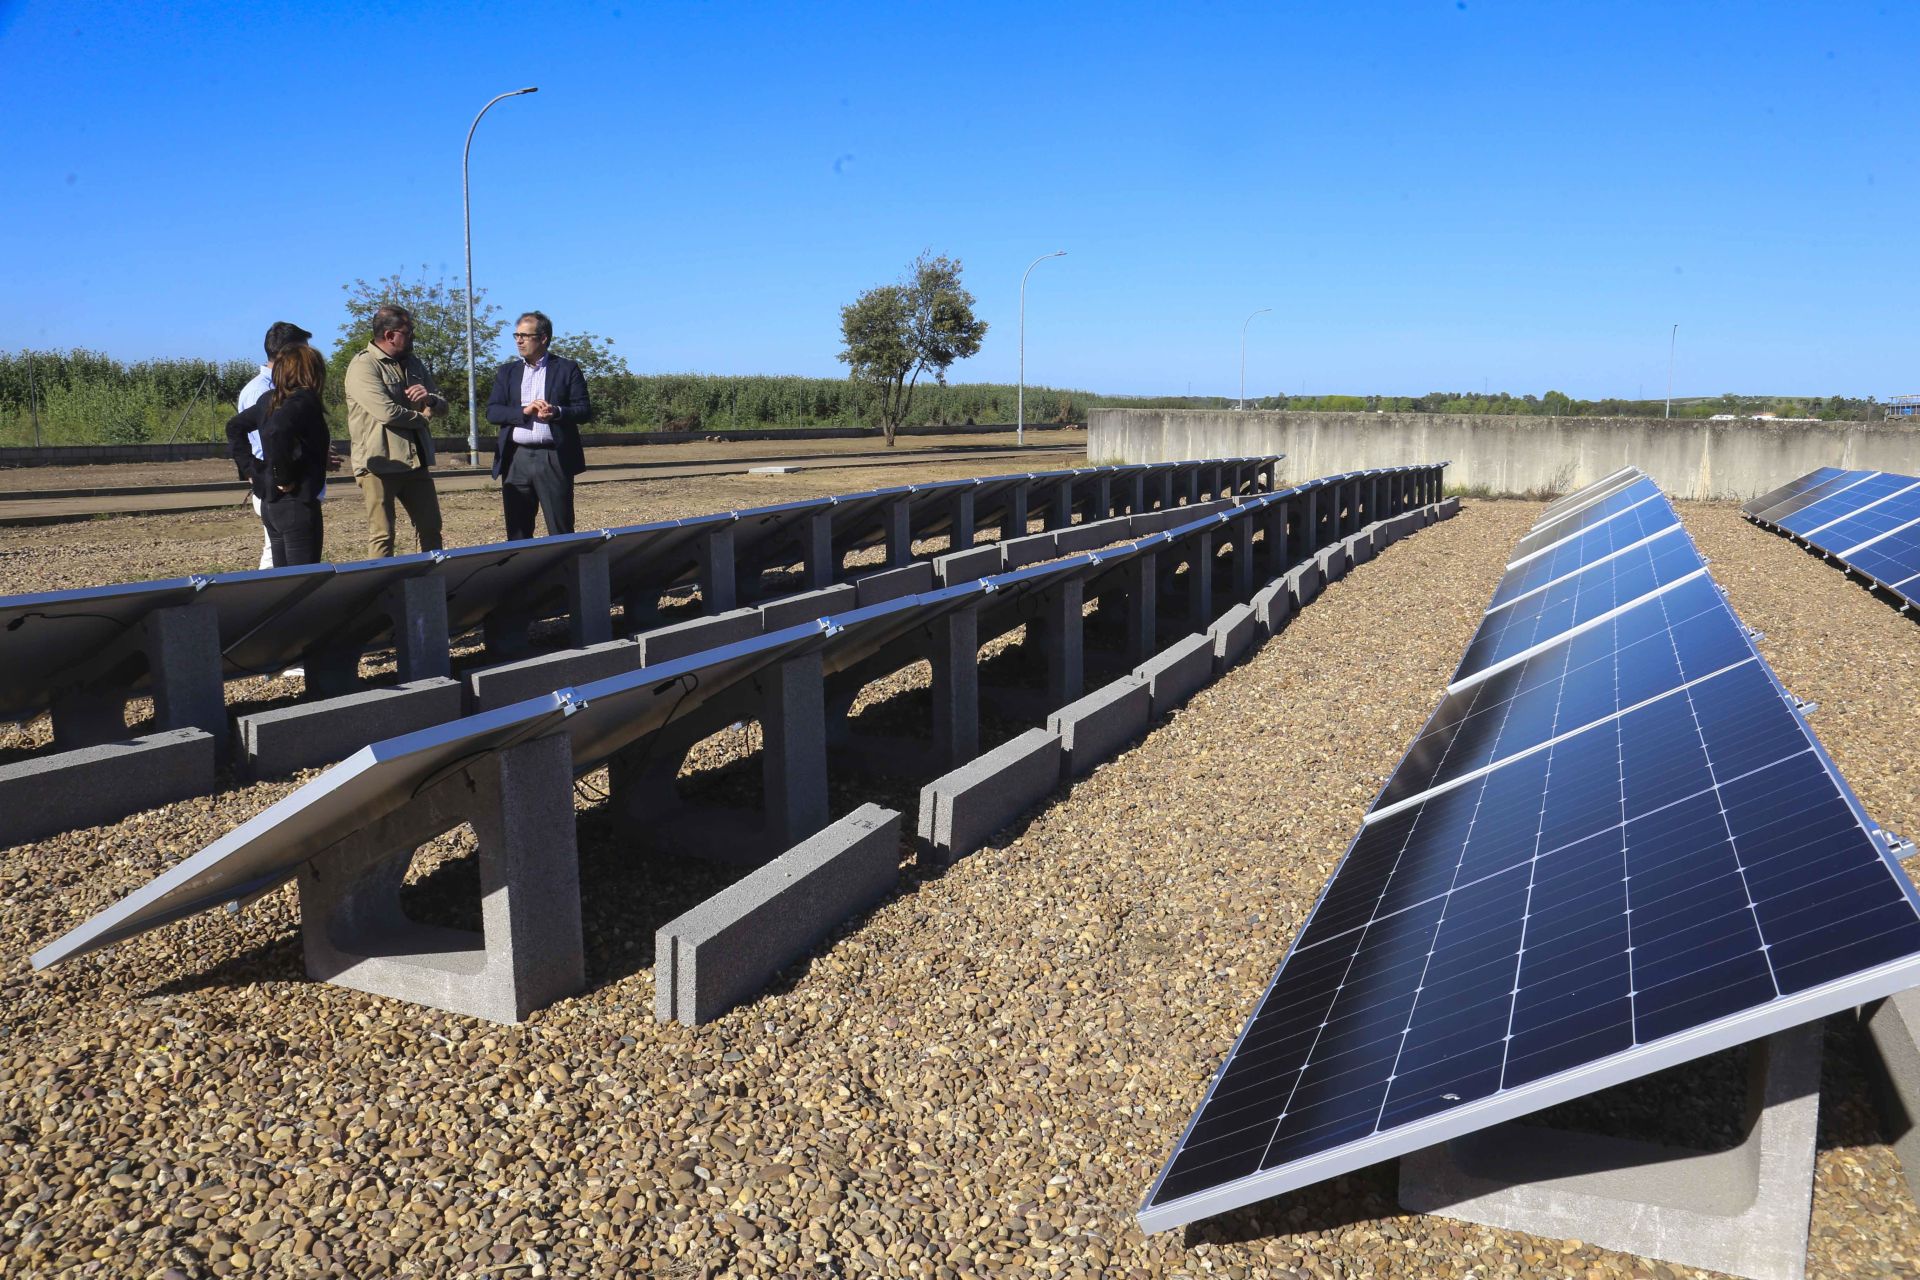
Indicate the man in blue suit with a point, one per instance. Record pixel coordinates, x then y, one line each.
539 401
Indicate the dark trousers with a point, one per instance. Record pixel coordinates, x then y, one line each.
535 478
294 531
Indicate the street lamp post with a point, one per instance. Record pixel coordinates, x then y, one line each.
1243 355
466 211
1020 428
1672 338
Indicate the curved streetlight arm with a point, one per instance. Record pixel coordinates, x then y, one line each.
1020 424
1243 355
466 213
1672 339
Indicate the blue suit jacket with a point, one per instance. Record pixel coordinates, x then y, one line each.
566 391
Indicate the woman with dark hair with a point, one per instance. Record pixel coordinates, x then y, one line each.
298 449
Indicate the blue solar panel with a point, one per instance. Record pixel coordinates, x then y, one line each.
1642 522
1843 502
1625 851
1578 598
1867 520
1584 518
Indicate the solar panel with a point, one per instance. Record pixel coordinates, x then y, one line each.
1869 521
1615 849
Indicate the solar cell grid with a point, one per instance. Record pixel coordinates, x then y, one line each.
1793 489
1586 517
1653 860
1806 496
1579 598
1843 502
1649 520
1842 536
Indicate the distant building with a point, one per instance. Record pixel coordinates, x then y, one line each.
1903 406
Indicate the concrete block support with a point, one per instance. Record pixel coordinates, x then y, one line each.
529 951
791 611
816 547
967 566
1743 1211
1177 672
1447 509
1893 1027
1334 561
1233 634
718 591
1303 583
1143 609
181 651
878 588
724 951
1272 606
1097 727
95 785
960 810
955 659
960 521
589 599
416 612
1062 634
663 644
271 744
509 682
899 526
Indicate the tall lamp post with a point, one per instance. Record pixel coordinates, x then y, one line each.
1672 338
466 211
1020 429
1243 355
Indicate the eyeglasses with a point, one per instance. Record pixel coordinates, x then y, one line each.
518 336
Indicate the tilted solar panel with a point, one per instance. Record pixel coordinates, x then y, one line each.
1619 852
1574 523
1869 521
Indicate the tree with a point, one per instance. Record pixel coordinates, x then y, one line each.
896 332
593 353
439 329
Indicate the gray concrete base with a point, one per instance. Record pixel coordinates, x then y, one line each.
1233 633
509 682
1893 1027
677 640
1177 672
960 810
1446 510
723 951
93 786
1743 1211
529 952
878 588
271 744
1360 546
1272 606
1099 726
791 611
967 566
1303 583
1333 562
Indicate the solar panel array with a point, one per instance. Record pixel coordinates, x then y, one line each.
1867 520
601 717
1615 846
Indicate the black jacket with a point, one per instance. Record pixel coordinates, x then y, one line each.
566 391
296 440
252 470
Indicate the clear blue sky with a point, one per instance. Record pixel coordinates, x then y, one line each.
1429 193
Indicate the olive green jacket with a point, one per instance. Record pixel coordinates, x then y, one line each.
389 434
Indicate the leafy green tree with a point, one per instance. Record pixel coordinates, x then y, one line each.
439 331
896 332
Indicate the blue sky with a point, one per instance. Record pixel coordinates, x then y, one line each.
1431 195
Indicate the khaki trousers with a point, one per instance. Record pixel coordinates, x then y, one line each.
414 491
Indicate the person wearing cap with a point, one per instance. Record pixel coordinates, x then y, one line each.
243 437
539 401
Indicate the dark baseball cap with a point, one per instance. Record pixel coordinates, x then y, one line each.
283 333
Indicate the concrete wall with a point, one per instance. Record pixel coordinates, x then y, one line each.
1689 458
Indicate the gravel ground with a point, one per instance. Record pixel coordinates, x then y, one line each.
979 1078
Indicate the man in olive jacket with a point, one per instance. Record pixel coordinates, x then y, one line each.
391 404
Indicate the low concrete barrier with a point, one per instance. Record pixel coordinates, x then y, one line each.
512 682
967 566
272 744
723 951
961 809
777 615
1177 672
878 588
677 640
1303 583
1233 634
96 785
1272 606
1097 727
